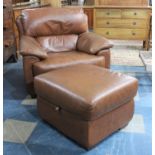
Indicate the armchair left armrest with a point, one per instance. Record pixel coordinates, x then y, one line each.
92 43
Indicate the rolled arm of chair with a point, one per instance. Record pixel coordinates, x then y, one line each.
30 47
19 25
92 43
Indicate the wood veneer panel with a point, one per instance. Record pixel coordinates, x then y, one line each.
123 2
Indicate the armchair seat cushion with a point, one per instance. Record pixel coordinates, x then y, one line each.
63 59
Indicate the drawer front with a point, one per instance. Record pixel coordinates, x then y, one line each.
135 13
120 33
122 23
108 13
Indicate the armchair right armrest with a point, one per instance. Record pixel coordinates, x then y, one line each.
92 43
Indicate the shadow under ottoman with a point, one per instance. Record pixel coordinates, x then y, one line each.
85 102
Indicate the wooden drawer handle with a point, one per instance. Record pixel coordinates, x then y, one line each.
134 23
133 33
135 13
107 33
108 23
108 13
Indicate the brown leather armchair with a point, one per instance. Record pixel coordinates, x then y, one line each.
51 38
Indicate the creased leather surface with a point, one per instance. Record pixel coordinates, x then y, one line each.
30 47
64 59
86 90
92 43
54 21
59 43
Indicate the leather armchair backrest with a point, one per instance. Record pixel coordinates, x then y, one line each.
58 43
53 21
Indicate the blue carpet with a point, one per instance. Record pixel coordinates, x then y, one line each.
26 134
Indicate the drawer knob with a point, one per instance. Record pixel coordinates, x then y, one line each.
134 23
135 13
57 108
4 6
133 33
107 33
108 13
108 23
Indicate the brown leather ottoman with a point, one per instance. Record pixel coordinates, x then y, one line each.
85 102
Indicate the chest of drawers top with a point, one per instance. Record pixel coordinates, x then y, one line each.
122 12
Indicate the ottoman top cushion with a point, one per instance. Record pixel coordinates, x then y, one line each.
88 91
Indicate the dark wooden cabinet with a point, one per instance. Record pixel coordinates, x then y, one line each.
9 44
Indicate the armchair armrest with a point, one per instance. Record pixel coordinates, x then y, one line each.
30 47
92 43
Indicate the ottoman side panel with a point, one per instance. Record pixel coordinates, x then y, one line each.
64 121
109 123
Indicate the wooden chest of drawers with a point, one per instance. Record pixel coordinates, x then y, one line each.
9 45
122 22
122 2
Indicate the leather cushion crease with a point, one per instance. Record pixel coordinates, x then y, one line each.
86 90
60 43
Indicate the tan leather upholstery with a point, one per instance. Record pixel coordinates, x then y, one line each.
54 21
30 47
86 97
92 43
106 54
86 90
28 62
85 133
58 30
59 43
64 59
